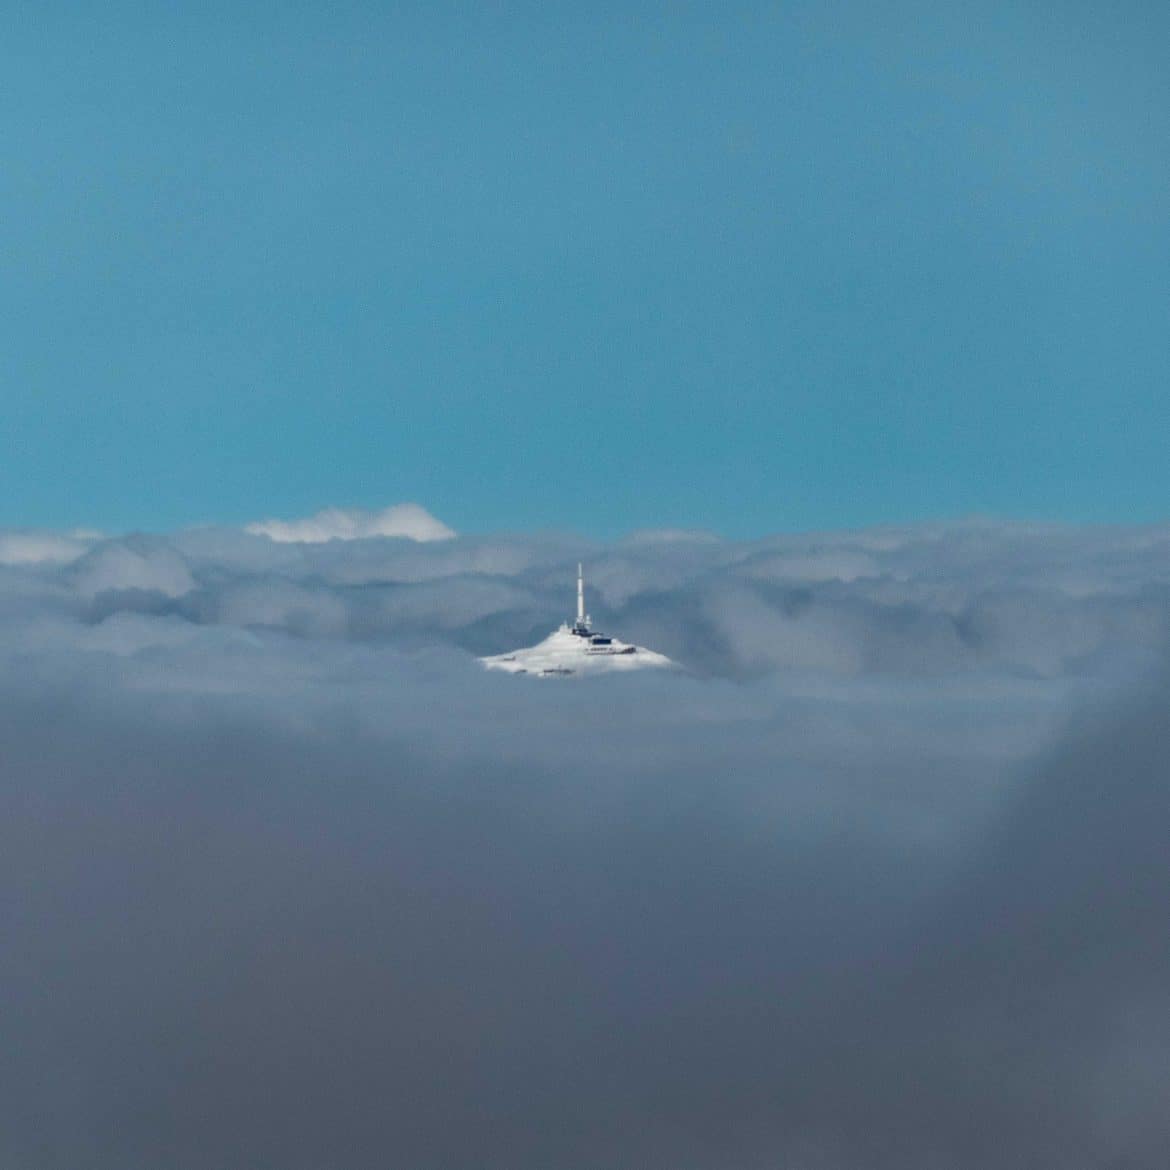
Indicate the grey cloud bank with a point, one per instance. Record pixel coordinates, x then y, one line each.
879 881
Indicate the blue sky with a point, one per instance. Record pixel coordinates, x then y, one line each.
598 267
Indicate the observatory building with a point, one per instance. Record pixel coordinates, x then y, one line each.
576 649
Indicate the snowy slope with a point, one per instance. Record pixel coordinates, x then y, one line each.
565 653
576 649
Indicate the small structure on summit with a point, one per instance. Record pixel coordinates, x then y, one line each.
576 649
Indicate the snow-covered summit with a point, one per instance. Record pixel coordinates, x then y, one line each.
566 652
576 649
408 521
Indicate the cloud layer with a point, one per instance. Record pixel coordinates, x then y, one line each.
1011 600
880 880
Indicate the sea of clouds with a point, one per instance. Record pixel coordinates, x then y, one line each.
877 878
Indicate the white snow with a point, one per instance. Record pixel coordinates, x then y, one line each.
565 653
404 520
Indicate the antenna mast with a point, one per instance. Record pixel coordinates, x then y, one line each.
580 596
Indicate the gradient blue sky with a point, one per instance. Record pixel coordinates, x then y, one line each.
751 267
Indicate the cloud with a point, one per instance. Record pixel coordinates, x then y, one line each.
402 520
929 601
880 882
354 909
135 564
37 546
